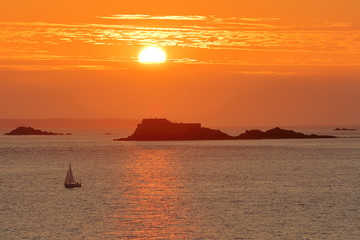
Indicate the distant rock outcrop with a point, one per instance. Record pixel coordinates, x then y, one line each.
31 131
164 130
344 129
277 133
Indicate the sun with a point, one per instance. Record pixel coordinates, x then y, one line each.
152 54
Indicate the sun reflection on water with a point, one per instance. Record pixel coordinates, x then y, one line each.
152 204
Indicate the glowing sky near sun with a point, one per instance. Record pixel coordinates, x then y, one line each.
254 56
231 40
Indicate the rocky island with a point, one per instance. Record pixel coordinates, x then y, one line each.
32 131
344 129
164 130
278 133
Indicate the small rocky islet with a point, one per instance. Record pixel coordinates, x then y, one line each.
32 131
345 129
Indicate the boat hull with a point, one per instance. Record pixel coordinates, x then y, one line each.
72 185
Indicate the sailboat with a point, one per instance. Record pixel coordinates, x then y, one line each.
69 179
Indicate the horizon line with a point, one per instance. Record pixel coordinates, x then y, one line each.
130 121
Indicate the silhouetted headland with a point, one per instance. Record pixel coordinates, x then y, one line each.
32 131
164 130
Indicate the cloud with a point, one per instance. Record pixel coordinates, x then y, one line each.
149 17
268 73
231 40
186 60
32 67
208 36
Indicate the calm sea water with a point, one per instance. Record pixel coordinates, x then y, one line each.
261 189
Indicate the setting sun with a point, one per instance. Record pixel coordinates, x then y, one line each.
152 55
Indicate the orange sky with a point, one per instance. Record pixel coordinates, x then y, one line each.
230 62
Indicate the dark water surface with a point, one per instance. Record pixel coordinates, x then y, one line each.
263 189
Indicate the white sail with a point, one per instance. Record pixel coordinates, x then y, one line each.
69 179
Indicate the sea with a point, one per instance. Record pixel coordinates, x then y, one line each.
239 189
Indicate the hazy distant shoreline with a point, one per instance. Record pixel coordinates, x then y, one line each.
69 123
